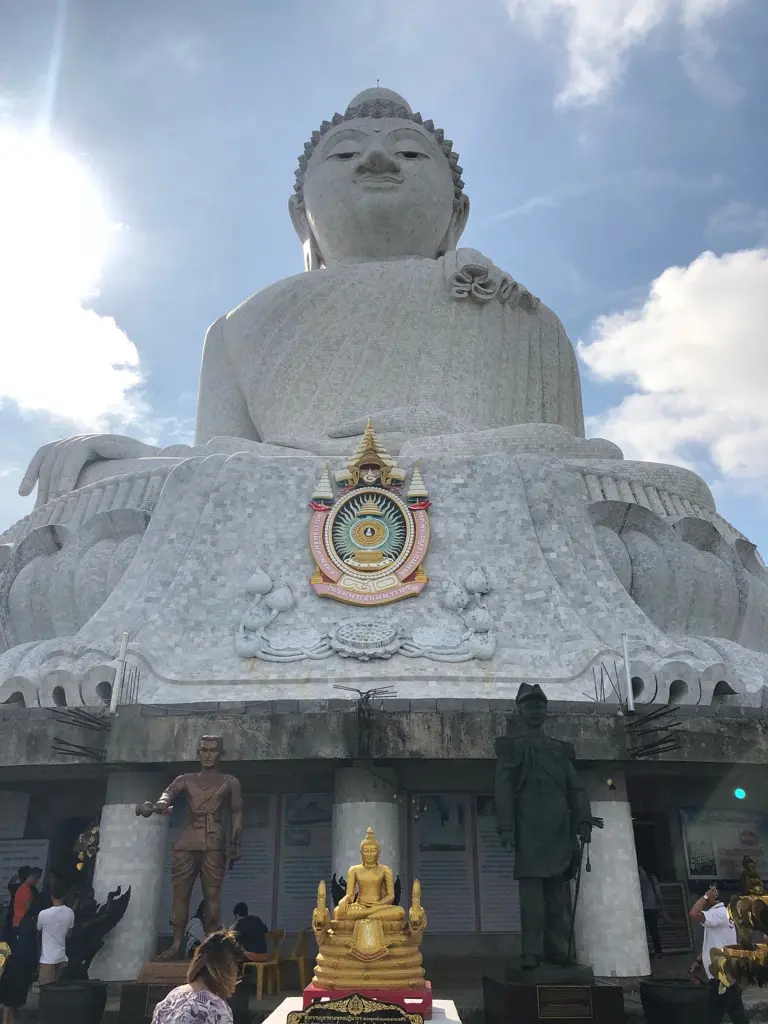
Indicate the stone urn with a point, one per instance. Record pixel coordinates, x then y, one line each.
673 1001
82 1001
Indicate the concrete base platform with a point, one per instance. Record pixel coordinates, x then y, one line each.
549 974
456 980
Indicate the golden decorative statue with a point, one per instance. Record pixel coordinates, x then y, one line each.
370 887
369 943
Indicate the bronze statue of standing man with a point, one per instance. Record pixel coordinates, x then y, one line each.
201 849
543 814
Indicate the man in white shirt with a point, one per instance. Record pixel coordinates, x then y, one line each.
719 931
54 925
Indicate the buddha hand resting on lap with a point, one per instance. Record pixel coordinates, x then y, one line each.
370 887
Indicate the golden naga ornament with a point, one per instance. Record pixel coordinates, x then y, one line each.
369 541
369 943
747 962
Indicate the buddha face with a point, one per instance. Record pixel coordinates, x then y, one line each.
380 188
370 854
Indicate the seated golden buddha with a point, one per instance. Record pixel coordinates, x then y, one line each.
370 887
369 944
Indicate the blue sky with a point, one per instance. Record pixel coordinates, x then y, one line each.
607 145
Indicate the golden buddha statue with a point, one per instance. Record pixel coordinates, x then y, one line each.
369 943
370 887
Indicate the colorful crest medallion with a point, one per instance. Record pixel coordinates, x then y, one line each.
369 540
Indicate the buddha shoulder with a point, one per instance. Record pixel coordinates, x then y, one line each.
464 275
471 274
261 304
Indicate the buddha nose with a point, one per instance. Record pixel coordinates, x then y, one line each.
376 160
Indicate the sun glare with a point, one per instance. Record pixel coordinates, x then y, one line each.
54 230
59 356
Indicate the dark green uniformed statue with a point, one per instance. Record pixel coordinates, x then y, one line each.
542 814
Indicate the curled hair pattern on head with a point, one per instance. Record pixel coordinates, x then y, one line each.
370 840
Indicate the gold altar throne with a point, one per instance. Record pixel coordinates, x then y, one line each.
369 943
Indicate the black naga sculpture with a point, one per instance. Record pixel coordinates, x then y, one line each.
92 924
93 921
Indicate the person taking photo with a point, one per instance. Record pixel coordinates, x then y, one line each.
719 931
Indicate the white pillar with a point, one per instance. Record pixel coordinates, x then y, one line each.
363 800
131 853
610 929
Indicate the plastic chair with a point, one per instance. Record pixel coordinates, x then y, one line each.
269 968
298 956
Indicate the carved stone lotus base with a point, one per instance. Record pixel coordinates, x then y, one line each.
573 561
414 1000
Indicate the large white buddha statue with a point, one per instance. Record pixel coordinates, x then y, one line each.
424 338
546 547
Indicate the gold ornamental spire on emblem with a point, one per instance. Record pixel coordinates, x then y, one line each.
370 458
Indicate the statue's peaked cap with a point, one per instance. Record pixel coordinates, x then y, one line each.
379 102
528 692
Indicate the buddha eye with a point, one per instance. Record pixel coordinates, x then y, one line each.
343 156
412 154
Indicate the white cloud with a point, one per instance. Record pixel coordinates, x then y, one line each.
599 34
696 356
57 356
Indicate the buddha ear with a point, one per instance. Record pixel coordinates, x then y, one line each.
313 260
456 227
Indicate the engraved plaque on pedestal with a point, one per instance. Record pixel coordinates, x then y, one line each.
556 1004
564 1002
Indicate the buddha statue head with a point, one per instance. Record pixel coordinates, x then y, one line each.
370 849
377 183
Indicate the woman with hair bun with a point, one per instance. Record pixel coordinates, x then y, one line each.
211 980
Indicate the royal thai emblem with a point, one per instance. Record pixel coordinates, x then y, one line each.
369 539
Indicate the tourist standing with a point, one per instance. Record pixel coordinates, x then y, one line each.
251 933
25 893
719 931
650 890
13 884
211 981
19 972
52 881
54 924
